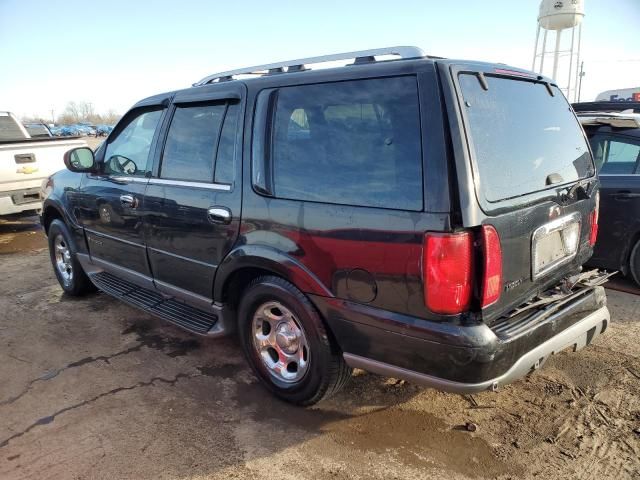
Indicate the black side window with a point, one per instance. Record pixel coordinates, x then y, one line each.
352 143
128 152
615 155
225 163
190 148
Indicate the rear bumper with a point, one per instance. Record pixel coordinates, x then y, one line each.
455 358
16 201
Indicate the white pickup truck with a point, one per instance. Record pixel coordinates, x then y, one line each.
25 162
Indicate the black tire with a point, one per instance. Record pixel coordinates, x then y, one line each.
78 284
634 263
326 372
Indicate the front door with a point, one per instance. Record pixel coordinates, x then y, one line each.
112 200
618 160
192 203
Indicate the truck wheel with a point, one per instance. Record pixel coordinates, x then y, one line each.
286 343
634 263
66 266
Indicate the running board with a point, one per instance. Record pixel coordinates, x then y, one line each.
179 313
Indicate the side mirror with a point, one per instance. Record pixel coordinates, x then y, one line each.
80 160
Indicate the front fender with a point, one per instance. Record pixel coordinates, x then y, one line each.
267 258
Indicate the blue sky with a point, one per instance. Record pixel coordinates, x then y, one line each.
114 52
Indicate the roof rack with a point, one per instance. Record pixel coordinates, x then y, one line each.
359 57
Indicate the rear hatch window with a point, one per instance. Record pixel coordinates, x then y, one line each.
525 140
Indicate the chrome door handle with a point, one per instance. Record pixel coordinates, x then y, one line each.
128 201
219 215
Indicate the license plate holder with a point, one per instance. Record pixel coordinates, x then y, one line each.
555 244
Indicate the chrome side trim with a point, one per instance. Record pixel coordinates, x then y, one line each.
575 336
130 179
179 183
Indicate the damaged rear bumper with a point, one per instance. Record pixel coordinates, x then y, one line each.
465 358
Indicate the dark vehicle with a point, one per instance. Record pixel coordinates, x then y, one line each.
615 142
38 130
420 218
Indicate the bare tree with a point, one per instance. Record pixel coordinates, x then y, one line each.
76 112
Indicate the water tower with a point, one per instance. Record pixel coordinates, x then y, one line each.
557 16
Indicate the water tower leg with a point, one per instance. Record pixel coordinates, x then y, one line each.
544 51
535 49
556 54
578 76
573 35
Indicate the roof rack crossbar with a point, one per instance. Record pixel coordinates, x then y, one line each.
300 65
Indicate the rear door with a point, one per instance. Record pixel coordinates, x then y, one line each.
193 200
617 158
524 167
111 202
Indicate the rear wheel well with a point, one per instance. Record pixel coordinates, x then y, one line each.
49 215
238 282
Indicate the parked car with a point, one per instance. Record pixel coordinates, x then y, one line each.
56 131
421 218
24 163
615 141
607 106
70 131
104 130
38 130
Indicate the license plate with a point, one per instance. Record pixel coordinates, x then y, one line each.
555 243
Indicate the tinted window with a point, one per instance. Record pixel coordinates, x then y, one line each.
37 131
128 152
190 149
521 135
225 162
615 155
354 143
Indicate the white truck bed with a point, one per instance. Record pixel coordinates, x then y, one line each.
24 165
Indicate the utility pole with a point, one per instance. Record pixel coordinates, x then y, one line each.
581 74
53 117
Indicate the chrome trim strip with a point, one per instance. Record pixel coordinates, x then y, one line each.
547 228
575 336
130 179
181 183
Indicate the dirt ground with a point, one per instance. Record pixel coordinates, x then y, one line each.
92 388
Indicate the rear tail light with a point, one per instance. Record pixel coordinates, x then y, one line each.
448 272
593 217
492 276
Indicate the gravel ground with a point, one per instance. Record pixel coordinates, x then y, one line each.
91 388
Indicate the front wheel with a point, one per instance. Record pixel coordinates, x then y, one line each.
66 266
286 343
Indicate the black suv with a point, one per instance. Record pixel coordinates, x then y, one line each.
416 217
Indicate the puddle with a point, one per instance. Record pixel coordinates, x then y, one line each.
21 234
171 346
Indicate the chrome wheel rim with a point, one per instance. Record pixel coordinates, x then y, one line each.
63 259
280 342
